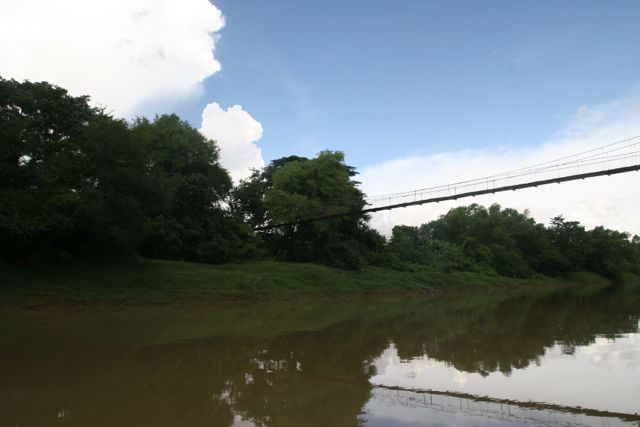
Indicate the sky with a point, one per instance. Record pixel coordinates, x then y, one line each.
416 93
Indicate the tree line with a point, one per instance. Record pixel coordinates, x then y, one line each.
510 243
77 183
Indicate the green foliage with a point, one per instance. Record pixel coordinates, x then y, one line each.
610 253
187 220
76 182
570 238
552 263
500 239
51 172
474 238
476 251
247 199
312 188
295 188
408 245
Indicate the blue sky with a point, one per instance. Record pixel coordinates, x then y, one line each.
382 79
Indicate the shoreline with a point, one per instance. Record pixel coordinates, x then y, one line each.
142 282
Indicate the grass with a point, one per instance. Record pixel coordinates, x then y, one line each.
145 281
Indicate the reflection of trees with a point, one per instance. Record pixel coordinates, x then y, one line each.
308 379
490 334
317 377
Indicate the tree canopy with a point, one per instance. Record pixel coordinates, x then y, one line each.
76 182
292 189
510 243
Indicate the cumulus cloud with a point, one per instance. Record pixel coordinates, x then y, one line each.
126 54
120 52
609 201
236 133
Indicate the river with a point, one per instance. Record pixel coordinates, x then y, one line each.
563 356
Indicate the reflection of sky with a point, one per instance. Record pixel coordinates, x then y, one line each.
611 354
238 421
604 375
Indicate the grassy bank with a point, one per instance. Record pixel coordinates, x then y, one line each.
145 281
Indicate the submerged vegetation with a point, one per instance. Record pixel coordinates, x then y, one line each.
80 186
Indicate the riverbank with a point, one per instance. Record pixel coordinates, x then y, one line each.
145 281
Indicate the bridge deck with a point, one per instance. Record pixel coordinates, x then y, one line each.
557 180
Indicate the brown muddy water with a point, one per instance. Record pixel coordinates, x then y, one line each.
539 357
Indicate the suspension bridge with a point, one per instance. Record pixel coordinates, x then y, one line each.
424 403
611 159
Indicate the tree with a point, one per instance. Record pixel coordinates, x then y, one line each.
247 199
503 239
570 238
303 189
113 189
74 181
187 220
610 253
46 180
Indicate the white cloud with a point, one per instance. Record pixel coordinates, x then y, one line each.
236 132
609 201
127 54
120 52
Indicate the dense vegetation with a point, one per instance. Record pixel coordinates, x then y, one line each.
509 243
76 183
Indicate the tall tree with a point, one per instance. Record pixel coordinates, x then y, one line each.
188 220
304 189
43 169
76 182
247 199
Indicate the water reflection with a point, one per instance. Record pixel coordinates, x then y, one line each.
601 376
395 408
314 364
